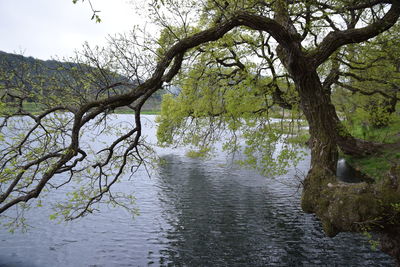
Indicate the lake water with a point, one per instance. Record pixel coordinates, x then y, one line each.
193 212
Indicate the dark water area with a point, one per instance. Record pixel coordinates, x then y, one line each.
346 173
193 212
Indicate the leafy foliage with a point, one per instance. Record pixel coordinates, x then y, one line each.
235 63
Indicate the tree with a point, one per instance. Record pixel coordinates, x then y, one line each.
304 36
372 74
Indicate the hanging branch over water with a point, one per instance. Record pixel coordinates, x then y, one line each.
48 144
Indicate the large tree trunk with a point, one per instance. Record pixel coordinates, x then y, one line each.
323 121
343 207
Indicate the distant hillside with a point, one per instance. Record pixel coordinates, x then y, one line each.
16 59
39 78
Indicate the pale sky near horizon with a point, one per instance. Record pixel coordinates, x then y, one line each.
56 28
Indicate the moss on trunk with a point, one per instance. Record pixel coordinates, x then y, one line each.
343 207
361 207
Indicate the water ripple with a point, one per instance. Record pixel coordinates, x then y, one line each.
192 213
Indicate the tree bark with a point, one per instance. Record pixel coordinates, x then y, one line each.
342 207
323 121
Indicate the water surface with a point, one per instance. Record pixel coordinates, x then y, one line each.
193 212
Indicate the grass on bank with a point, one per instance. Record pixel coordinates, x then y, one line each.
377 165
36 108
29 107
386 135
126 110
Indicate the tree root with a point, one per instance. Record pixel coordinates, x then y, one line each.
361 207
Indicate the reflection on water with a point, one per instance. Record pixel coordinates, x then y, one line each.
193 213
229 217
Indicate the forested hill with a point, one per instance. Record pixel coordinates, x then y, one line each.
34 78
8 58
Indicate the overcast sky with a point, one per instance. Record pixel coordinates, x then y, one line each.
46 28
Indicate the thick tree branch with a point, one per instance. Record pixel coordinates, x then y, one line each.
333 75
336 39
363 92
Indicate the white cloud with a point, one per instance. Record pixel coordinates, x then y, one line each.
46 28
